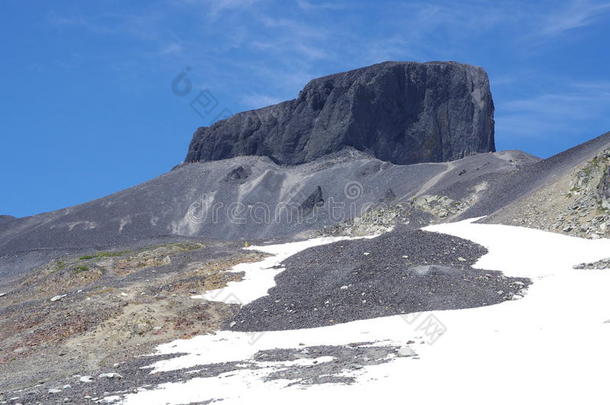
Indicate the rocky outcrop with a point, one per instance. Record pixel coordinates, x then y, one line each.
598 265
588 213
604 189
575 202
401 112
6 218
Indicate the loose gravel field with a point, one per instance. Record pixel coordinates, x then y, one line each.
396 273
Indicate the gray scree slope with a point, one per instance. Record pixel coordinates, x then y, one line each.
247 197
400 112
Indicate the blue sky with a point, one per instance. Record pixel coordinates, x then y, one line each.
88 106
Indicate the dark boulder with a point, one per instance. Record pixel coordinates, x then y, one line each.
314 200
402 112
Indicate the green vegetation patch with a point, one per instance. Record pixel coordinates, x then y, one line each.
100 255
81 269
189 245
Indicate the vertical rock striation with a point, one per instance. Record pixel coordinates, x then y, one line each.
401 112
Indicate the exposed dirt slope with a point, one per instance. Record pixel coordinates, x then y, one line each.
576 202
78 314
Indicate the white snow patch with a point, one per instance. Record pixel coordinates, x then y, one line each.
110 375
549 347
259 277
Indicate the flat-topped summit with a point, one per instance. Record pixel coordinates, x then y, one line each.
402 112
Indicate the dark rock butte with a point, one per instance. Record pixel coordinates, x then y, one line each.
401 112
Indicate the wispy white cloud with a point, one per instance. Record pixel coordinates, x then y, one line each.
268 49
173 48
290 47
259 100
392 48
217 6
106 24
147 25
308 5
438 29
577 14
579 101
548 114
298 29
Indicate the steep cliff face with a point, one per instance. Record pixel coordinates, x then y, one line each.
401 112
